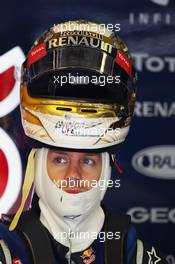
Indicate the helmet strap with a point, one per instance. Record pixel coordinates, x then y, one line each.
114 163
28 181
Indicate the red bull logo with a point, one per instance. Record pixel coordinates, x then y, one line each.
17 261
88 256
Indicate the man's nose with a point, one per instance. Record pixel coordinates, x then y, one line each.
73 172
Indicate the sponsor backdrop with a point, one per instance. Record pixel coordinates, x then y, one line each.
148 156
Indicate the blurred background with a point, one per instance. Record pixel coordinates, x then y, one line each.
147 157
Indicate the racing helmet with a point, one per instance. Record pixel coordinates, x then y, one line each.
78 88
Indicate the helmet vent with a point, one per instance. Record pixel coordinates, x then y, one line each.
88 110
64 109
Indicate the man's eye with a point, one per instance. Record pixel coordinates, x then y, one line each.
88 161
60 160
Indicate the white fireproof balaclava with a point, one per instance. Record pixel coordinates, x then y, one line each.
72 219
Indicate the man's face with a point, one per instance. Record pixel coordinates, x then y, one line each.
74 172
